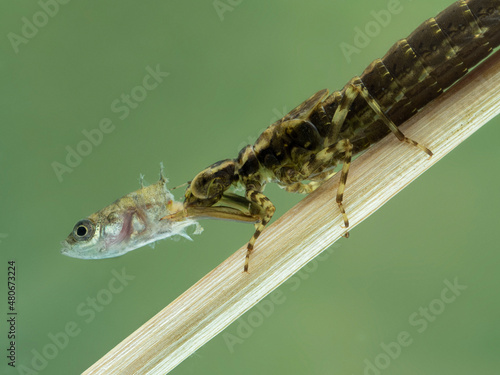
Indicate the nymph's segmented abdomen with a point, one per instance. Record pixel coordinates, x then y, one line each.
412 73
419 68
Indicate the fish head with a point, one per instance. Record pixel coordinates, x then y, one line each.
99 236
127 224
83 239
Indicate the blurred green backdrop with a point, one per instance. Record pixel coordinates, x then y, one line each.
234 67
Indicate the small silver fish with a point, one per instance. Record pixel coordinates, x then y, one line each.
127 224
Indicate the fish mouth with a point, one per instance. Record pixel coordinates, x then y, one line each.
89 253
66 248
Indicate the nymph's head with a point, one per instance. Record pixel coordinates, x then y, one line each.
209 185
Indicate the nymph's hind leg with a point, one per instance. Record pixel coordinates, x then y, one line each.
361 90
266 213
345 147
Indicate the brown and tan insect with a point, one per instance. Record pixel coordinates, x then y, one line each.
300 151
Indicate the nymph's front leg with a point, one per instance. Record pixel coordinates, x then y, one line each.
267 210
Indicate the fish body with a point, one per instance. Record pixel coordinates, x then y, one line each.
127 224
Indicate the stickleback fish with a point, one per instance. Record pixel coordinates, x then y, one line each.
127 224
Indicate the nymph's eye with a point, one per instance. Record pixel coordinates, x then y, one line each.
83 230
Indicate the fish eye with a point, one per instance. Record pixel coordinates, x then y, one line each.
83 230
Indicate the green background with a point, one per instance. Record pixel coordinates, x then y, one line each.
230 77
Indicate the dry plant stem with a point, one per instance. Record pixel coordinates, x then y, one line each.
306 230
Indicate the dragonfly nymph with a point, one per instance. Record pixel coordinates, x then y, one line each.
300 151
